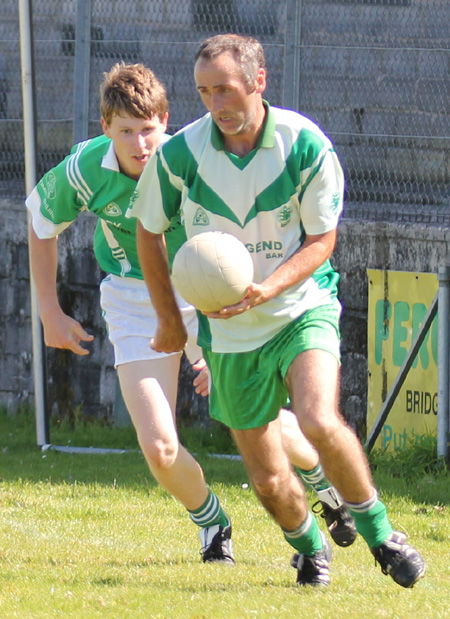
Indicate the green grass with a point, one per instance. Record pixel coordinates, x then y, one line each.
93 536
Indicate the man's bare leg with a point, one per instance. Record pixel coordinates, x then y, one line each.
281 493
313 381
272 477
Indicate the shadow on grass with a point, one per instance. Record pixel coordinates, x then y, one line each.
415 473
21 458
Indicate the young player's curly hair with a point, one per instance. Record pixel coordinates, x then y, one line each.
132 89
246 51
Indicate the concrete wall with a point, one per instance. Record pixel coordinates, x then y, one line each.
366 245
84 383
90 383
373 73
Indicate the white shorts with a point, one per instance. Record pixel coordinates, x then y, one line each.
131 320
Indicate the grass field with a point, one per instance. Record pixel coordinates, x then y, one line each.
93 536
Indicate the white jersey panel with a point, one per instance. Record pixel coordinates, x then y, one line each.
291 185
43 227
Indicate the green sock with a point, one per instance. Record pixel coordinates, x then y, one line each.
306 539
315 478
210 513
371 521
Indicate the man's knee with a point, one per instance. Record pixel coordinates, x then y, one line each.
267 484
323 429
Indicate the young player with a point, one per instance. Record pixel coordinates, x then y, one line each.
267 174
100 175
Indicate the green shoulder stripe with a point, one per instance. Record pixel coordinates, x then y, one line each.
309 152
170 195
307 148
180 159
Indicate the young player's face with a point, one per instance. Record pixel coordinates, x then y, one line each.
224 92
135 140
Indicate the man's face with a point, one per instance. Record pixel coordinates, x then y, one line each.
226 95
135 140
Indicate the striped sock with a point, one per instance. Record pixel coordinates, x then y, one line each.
306 539
210 513
315 478
326 492
371 520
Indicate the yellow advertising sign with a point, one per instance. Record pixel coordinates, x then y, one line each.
398 303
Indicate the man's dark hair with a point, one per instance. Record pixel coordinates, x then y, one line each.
246 51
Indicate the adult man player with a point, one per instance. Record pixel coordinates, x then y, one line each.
100 176
267 175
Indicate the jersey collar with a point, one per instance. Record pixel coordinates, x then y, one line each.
109 160
266 139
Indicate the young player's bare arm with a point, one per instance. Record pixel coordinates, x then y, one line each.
171 335
302 264
60 330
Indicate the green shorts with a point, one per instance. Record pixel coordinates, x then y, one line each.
248 389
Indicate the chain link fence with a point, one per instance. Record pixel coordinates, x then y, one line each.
374 74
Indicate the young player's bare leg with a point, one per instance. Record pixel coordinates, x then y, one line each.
300 451
313 382
149 390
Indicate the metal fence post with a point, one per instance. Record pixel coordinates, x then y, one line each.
443 361
292 42
82 71
30 139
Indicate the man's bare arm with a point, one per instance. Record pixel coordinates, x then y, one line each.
171 335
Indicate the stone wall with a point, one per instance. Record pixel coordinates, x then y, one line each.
373 73
366 245
90 383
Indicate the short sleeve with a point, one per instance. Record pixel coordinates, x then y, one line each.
53 203
322 201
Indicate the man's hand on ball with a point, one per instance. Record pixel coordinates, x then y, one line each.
256 294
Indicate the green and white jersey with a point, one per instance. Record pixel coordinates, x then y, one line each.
291 184
90 179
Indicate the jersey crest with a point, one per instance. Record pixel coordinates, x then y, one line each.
49 185
200 218
284 215
335 201
113 210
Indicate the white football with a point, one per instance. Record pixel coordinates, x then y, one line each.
212 270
